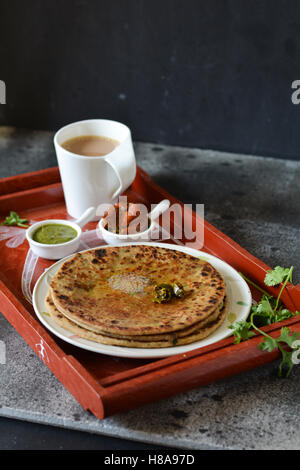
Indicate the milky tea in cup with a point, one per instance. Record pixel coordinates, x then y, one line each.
96 162
90 145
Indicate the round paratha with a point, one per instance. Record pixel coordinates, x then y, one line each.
155 337
110 290
172 340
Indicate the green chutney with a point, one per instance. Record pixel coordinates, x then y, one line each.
53 234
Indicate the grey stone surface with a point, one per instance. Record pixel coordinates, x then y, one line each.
255 201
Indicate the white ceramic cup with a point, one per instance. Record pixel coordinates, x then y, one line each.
92 181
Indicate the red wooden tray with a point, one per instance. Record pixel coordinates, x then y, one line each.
101 383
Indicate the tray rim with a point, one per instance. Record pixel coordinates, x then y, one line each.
103 398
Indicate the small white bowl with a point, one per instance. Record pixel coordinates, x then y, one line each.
115 238
59 250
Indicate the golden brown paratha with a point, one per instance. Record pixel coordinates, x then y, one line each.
173 340
110 290
149 338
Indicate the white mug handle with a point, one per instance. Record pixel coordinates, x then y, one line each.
113 162
121 168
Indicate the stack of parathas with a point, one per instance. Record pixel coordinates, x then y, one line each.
106 295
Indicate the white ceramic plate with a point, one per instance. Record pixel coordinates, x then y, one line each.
239 306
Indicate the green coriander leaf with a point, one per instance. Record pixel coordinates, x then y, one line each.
269 344
14 219
276 276
287 337
288 278
263 311
286 359
264 306
283 314
241 331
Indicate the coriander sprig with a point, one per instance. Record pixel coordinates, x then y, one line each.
286 276
277 275
269 310
269 344
14 219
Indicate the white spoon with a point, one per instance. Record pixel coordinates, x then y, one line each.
159 209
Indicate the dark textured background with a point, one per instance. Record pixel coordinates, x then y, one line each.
213 74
